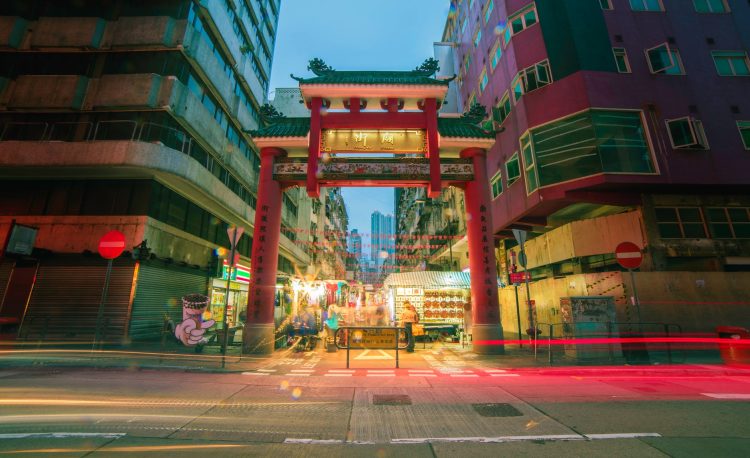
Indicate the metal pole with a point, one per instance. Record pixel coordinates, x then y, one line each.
450 245
635 298
395 337
348 346
103 301
226 299
532 324
518 318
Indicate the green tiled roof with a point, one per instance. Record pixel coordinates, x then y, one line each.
373 77
284 127
458 127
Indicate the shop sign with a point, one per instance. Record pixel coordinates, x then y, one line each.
371 141
240 273
373 338
519 277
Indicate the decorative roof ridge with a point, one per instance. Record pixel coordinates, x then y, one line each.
426 70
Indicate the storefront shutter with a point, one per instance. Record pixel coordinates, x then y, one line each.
65 300
158 296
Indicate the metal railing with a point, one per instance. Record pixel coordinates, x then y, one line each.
605 333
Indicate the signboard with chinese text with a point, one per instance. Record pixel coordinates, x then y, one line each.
374 141
373 339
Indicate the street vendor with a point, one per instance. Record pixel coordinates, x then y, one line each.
409 317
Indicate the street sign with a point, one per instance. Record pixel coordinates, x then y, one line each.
522 258
112 244
518 277
520 236
628 255
234 233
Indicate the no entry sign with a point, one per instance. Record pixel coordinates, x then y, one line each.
628 255
112 244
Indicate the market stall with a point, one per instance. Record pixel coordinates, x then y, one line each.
440 298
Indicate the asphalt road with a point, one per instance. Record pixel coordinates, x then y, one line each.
438 403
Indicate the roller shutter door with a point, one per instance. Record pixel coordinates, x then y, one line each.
158 295
65 302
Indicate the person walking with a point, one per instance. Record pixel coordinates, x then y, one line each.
408 318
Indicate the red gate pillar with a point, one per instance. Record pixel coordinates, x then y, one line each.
487 331
258 335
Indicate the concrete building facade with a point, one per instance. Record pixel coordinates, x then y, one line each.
130 116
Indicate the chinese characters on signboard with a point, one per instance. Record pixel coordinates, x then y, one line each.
374 141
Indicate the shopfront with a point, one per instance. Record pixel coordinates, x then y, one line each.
236 302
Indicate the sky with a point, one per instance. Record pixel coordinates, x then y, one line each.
356 35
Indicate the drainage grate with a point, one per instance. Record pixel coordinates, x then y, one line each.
391 400
496 410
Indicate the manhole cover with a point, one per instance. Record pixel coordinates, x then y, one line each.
391 400
496 410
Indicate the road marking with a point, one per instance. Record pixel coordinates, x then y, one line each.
290 440
337 375
503 375
422 375
423 440
255 373
381 375
381 370
495 370
366 355
60 435
727 395
302 370
620 436
342 370
430 371
266 370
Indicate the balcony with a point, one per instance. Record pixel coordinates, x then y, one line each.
68 32
133 91
48 91
12 31
147 31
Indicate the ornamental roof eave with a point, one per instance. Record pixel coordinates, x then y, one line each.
342 90
465 142
282 142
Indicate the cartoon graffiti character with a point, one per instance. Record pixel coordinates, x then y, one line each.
190 331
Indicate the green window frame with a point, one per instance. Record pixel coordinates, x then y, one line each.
731 63
621 60
531 79
687 133
646 5
520 21
663 59
711 6
744 128
728 222
477 36
680 223
512 169
606 4
496 183
483 80
488 10
501 111
529 164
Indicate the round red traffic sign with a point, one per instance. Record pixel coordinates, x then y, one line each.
628 255
112 244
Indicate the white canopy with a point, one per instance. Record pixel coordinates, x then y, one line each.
428 279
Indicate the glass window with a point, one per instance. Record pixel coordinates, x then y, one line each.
744 127
711 6
731 63
666 60
497 185
501 111
512 169
527 153
477 37
687 133
520 21
646 5
488 10
483 80
621 60
606 4
497 53
680 223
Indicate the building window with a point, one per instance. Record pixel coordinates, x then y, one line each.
488 10
606 4
529 164
501 111
497 185
520 21
687 133
621 60
665 60
530 79
467 63
744 127
680 223
483 81
464 23
646 5
496 54
731 63
512 169
711 6
477 37
729 222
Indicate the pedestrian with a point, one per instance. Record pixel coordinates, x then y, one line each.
409 318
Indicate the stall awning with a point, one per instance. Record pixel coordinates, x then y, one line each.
429 280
